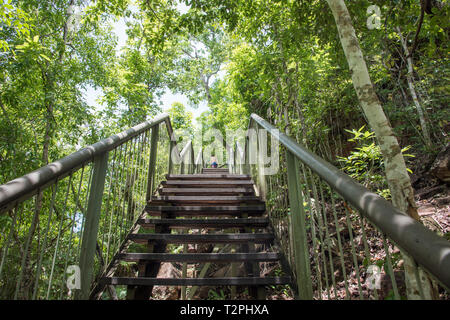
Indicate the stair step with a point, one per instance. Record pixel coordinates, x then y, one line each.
206 223
205 191
202 238
206 199
231 281
200 257
208 183
251 210
199 176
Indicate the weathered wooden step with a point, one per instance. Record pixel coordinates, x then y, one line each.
202 238
205 191
200 257
200 176
215 169
251 210
231 281
208 183
205 223
205 199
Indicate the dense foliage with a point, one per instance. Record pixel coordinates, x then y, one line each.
280 59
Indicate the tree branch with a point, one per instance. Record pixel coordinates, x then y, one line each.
419 27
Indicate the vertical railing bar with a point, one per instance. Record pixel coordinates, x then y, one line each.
341 255
137 190
139 175
318 209
83 218
73 221
142 171
143 166
132 189
135 182
27 245
10 233
129 188
152 162
145 169
123 217
115 185
59 235
352 243
279 211
123 191
366 247
116 240
108 201
41 254
313 232
131 202
328 239
121 195
390 268
283 213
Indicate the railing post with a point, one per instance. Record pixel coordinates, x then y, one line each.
301 253
182 166
246 167
262 185
192 164
93 212
231 159
171 146
235 154
152 165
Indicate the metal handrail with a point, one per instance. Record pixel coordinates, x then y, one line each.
140 154
427 248
28 185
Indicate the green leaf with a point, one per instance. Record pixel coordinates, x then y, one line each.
44 56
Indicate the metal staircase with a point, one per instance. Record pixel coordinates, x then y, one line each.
215 201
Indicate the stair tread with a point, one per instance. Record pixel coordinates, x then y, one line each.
207 210
200 191
261 222
206 198
196 281
200 257
200 176
202 238
208 183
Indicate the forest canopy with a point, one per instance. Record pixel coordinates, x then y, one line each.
280 59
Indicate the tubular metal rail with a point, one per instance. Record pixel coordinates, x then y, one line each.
108 185
335 234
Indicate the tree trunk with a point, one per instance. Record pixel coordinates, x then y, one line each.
412 90
396 173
